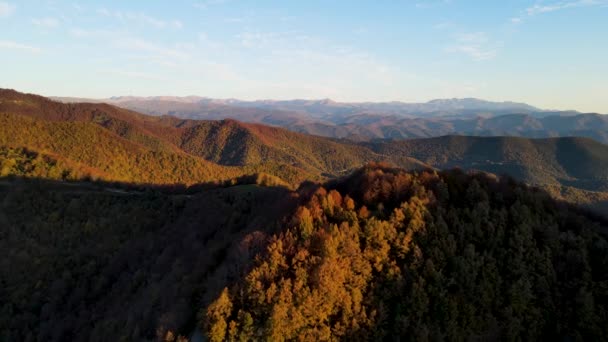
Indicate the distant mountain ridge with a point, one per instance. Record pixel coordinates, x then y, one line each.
328 106
389 120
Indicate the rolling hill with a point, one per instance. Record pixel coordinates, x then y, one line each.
578 162
121 145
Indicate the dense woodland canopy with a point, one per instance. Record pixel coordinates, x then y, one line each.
389 254
379 254
91 262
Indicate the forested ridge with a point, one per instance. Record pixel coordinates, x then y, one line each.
386 254
570 161
378 254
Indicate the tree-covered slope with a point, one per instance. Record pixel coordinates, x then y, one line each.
379 254
118 144
230 142
90 262
578 162
108 156
386 254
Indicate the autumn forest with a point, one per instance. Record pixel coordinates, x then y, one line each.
121 226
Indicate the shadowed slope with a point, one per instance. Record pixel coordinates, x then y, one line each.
579 162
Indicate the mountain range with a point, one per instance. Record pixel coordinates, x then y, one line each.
106 142
391 120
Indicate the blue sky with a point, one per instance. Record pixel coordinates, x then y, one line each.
551 54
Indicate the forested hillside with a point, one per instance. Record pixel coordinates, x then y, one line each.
577 162
90 262
120 145
385 254
380 253
100 141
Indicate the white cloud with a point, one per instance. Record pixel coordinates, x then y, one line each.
106 34
542 8
133 74
6 9
477 53
235 20
132 47
556 6
140 45
443 25
207 3
46 22
432 3
258 39
472 37
7 44
77 7
476 45
516 20
141 18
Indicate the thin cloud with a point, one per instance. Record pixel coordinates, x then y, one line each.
234 20
257 39
7 44
477 53
45 22
476 45
133 74
543 8
443 25
141 18
206 4
141 45
432 3
136 47
6 9
557 6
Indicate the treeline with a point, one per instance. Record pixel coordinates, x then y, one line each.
386 254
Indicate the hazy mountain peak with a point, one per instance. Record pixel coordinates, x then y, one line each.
474 103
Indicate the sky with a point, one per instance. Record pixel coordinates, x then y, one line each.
552 54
